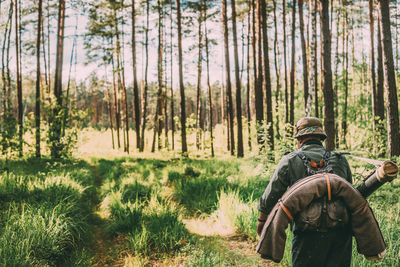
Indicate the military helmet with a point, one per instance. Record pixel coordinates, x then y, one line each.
309 126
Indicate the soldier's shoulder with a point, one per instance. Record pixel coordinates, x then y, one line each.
339 155
289 155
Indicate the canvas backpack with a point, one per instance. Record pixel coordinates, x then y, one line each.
321 214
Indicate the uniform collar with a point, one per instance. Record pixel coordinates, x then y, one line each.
311 142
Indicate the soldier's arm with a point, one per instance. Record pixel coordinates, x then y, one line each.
348 171
276 188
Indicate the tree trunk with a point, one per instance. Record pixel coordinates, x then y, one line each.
55 150
285 62
293 67
135 83
116 101
238 85
181 87
158 114
254 49
346 77
121 81
329 116
267 77
304 54
336 86
37 104
390 81
172 85
5 73
18 79
380 103
198 88
228 75
313 59
110 116
248 100
48 47
8 73
277 72
144 85
259 94
208 85
372 58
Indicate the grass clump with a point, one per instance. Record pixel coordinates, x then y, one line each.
44 215
153 228
236 213
199 195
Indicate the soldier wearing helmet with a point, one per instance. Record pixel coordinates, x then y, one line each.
313 244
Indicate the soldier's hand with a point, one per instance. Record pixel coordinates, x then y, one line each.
260 226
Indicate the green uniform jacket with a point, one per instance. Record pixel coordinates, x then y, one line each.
291 168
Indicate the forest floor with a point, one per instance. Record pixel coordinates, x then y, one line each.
109 250
106 208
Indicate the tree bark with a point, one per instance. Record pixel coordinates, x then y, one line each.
172 84
228 75
315 66
293 67
110 116
304 54
208 84
238 85
55 151
329 118
267 77
158 114
248 100
390 81
19 81
259 94
181 87
372 59
199 68
5 74
313 59
37 102
285 62
346 76
144 84
380 103
135 83
116 101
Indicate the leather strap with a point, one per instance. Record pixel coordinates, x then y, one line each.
286 211
328 185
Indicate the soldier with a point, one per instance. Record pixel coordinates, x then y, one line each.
312 245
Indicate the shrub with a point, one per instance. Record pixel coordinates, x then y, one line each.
135 191
174 176
40 237
199 195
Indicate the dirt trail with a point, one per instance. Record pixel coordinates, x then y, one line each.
230 241
106 249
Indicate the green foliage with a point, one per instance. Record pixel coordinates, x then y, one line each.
45 211
199 195
64 124
8 134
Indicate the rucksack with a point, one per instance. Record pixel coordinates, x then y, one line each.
313 167
323 213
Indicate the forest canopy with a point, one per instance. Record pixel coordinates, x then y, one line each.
161 68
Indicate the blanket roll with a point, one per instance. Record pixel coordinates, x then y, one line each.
365 228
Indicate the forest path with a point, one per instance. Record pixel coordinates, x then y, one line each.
105 248
224 237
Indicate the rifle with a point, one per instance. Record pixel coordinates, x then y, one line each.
385 172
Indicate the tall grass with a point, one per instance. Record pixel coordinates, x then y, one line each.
44 212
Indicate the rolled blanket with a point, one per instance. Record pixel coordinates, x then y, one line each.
365 228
